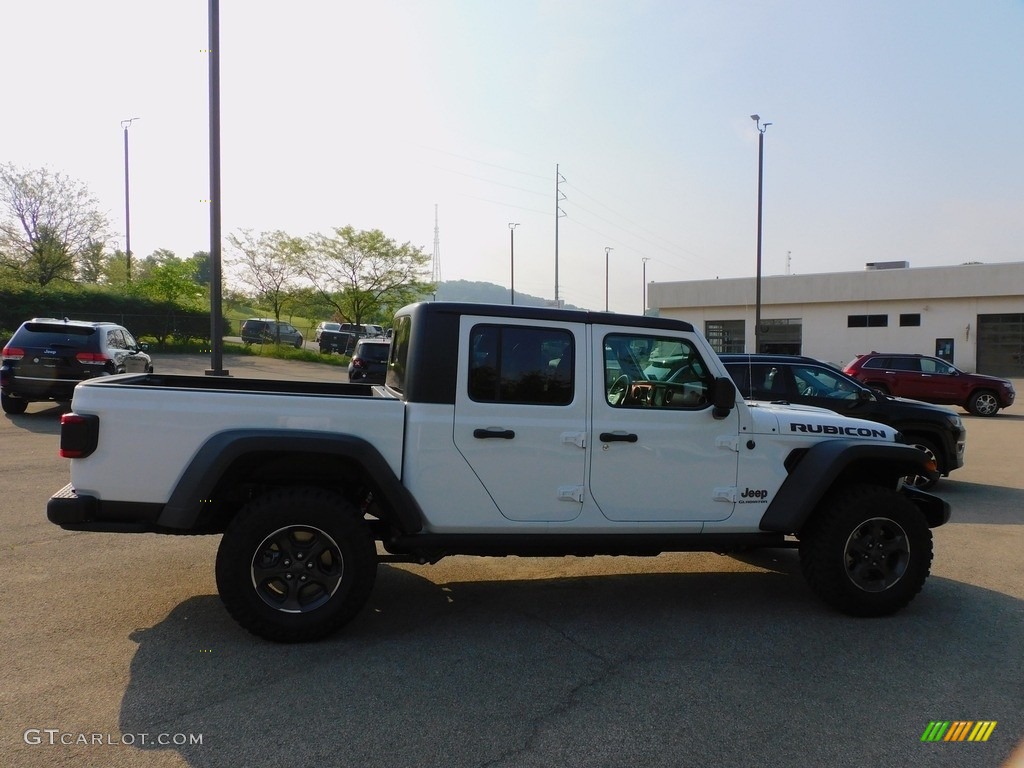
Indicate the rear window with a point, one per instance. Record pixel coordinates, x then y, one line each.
377 353
53 335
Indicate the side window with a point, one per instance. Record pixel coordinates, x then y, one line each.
931 365
819 382
130 340
115 340
513 364
399 353
654 372
907 364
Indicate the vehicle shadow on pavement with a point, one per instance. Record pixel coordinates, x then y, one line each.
44 421
659 668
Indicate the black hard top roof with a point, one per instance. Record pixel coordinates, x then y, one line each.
545 313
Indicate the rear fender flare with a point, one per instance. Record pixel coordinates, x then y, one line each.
199 480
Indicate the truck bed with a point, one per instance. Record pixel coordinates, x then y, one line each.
167 418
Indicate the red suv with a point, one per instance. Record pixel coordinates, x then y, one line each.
933 380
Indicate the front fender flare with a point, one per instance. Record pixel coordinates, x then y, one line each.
823 464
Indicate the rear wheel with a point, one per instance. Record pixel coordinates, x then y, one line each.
983 403
296 565
867 551
13 405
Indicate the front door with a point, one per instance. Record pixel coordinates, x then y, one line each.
658 454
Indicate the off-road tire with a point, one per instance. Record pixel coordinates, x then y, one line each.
866 551
296 564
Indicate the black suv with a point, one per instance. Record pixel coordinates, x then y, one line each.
805 381
46 358
369 363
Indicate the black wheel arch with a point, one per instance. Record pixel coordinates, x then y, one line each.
814 472
204 496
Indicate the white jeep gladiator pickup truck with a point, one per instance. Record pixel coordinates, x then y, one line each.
500 431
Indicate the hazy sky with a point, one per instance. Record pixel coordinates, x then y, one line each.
896 128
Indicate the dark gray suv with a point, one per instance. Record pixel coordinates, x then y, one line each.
259 330
46 358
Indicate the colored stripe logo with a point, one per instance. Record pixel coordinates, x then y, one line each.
958 730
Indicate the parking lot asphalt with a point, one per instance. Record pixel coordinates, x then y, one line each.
119 653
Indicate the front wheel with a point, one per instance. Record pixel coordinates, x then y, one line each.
983 403
867 551
296 564
929 477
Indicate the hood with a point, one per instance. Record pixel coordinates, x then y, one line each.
811 422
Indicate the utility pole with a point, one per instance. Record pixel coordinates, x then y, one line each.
645 260
127 212
760 185
512 258
216 315
607 250
436 274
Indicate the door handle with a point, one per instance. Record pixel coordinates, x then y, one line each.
617 437
483 434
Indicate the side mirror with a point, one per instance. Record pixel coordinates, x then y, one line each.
865 395
723 397
144 347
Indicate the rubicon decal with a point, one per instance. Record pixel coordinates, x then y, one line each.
832 429
958 730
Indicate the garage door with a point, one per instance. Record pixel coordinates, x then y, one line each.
1001 345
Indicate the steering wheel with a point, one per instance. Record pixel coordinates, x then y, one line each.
619 390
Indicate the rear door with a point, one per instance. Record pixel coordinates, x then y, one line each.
521 414
658 455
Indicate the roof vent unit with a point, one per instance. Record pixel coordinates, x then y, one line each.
887 265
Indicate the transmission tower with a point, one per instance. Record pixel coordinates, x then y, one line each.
436 275
559 213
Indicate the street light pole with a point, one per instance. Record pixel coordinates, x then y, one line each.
760 185
127 211
606 252
512 258
645 260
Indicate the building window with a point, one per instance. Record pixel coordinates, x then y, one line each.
911 319
867 321
725 335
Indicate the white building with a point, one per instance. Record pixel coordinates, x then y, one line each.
971 315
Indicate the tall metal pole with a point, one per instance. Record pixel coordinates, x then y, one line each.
512 258
760 185
607 250
645 260
127 209
216 315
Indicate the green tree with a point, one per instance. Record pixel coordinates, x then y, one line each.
270 264
165 277
201 259
48 221
92 264
364 275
